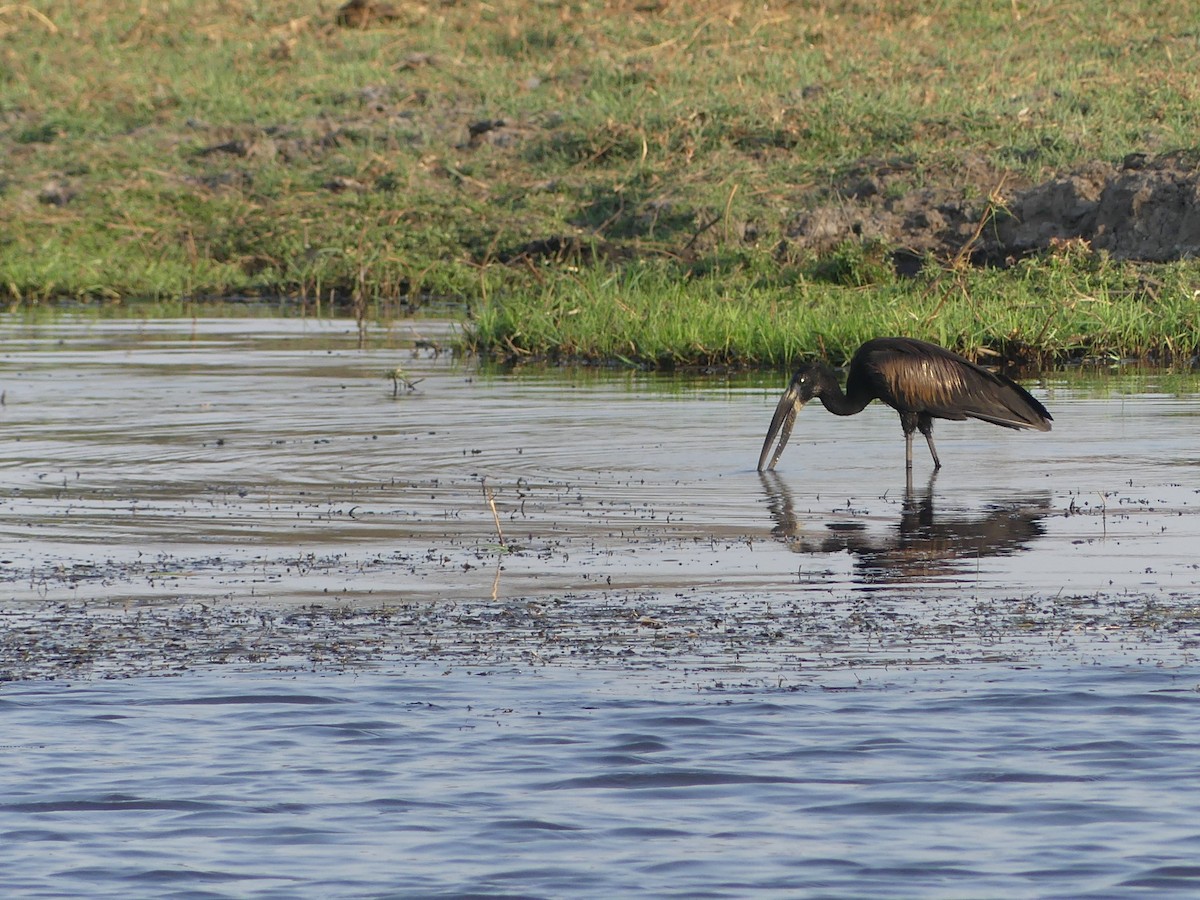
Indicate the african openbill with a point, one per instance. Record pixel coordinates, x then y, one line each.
919 380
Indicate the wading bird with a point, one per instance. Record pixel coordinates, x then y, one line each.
921 381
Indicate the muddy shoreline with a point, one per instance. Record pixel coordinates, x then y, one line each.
277 507
705 637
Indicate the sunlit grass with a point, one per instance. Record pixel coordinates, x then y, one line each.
1038 312
201 149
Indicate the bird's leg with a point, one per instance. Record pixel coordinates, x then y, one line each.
908 422
937 463
925 423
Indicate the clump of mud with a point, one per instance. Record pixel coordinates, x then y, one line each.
1144 208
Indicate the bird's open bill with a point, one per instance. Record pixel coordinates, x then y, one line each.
781 423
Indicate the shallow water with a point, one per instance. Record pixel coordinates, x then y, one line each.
958 783
668 675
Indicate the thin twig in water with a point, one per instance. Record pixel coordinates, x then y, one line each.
487 493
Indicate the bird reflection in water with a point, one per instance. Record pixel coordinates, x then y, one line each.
923 545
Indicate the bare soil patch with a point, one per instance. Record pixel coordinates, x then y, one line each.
1141 209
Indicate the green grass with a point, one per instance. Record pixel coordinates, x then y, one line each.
1039 311
207 149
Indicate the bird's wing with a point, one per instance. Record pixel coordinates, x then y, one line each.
926 378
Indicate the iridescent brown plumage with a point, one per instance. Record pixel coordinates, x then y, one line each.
921 381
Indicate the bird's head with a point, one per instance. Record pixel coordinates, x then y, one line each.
807 382
805 385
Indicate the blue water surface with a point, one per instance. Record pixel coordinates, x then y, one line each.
419 781
270 629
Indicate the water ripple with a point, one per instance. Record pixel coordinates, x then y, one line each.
671 678
433 781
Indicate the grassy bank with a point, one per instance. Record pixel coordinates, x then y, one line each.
1037 312
621 180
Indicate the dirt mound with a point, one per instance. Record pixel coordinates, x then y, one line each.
1142 209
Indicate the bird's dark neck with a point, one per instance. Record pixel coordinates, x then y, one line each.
854 400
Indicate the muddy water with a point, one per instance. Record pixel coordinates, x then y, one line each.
650 669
